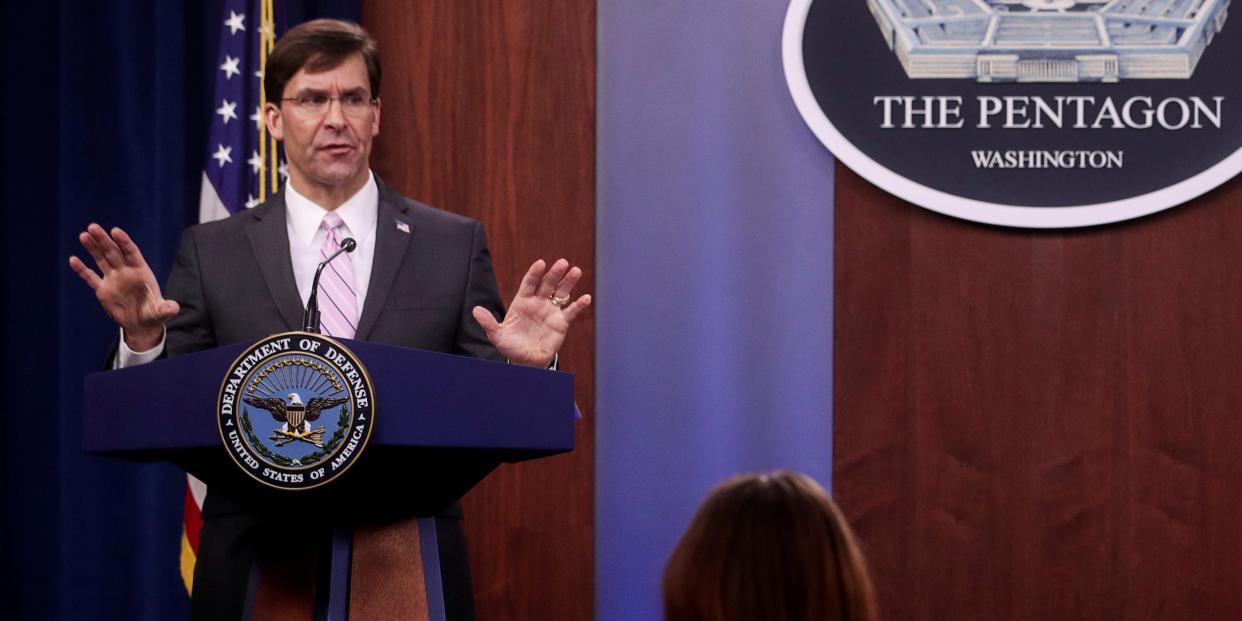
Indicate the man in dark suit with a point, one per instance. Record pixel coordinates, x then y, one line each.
419 277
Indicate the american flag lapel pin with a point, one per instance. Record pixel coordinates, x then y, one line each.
403 227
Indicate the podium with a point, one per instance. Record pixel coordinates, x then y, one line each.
441 424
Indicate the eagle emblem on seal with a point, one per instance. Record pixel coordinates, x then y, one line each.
296 417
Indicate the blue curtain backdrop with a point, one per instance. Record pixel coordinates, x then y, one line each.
714 277
105 116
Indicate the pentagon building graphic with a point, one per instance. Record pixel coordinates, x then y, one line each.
1049 40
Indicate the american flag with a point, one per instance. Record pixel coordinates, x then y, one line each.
242 166
241 170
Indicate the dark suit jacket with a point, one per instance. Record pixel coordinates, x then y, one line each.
234 281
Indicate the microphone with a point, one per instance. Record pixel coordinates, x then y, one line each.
310 321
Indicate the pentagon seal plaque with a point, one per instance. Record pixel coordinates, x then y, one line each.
1024 113
296 410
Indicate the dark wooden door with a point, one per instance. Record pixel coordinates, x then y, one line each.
1041 425
489 111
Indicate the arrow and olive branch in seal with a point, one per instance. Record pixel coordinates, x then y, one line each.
309 458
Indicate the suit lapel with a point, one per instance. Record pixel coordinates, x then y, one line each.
391 244
269 240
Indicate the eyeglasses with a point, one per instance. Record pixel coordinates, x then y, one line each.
314 104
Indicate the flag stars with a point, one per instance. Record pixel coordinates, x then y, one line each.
235 22
222 155
257 117
251 201
230 67
227 111
283 169
255 161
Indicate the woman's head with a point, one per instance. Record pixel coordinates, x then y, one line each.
768 547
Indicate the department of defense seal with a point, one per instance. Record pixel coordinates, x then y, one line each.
296 410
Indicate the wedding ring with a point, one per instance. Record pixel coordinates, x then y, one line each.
557 302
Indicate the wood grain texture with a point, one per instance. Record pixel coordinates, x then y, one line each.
1041 425
375 590
489 111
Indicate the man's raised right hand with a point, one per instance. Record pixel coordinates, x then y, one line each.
127 288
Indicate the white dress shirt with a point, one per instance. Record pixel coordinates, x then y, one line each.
303 221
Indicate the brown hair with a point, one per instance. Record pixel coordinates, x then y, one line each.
319 45
768 547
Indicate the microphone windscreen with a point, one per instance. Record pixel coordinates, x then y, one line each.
349 244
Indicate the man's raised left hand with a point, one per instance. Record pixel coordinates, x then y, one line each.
539 316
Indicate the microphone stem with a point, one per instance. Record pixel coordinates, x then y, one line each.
310 320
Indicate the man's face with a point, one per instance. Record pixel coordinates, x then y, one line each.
328 133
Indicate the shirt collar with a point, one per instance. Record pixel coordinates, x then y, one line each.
359 213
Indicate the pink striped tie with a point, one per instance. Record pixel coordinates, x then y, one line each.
338 303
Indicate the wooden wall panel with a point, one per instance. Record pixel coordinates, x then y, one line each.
1041 425
489 111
